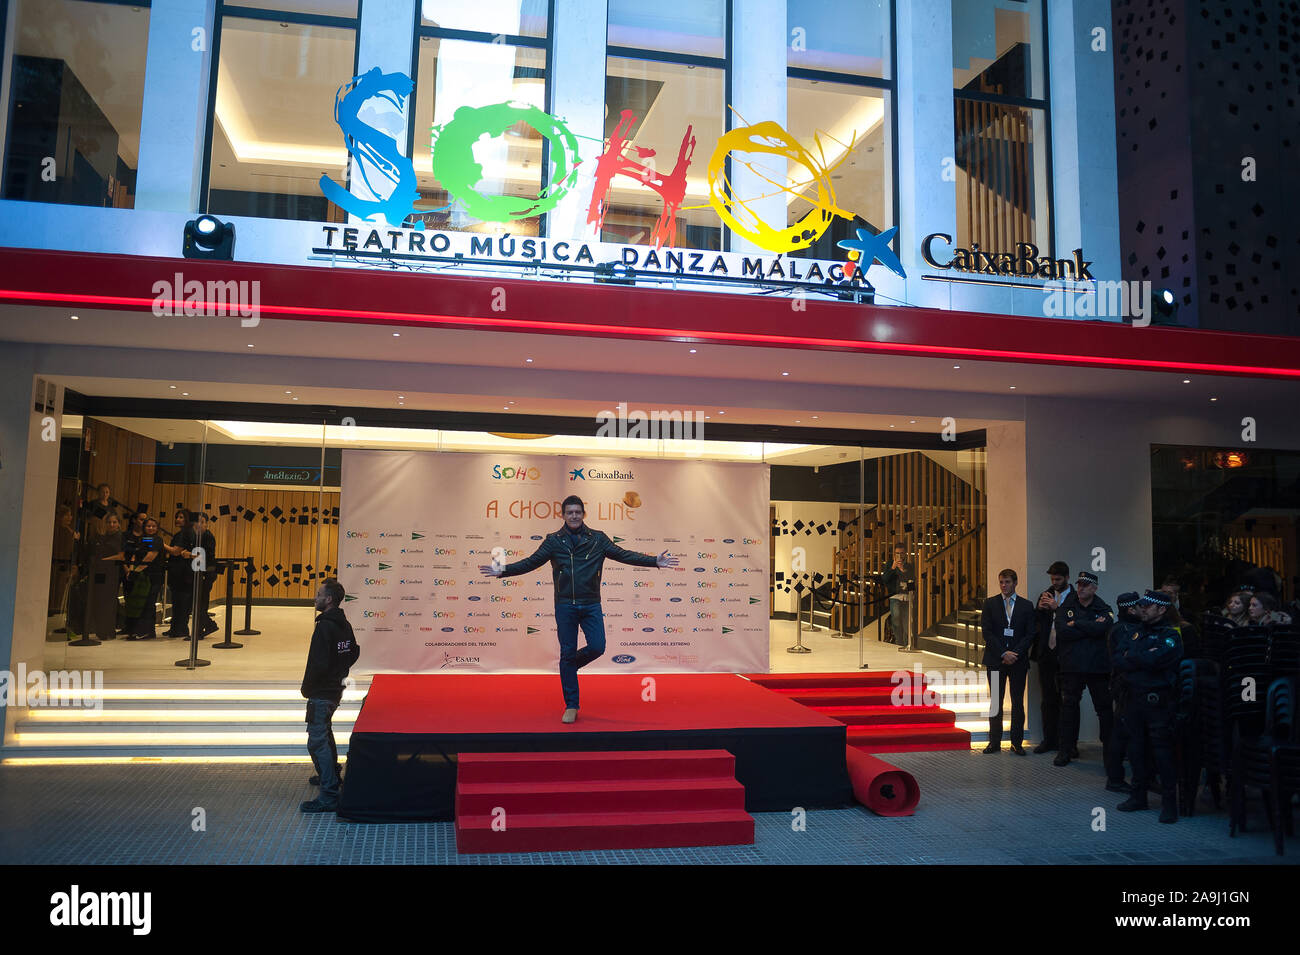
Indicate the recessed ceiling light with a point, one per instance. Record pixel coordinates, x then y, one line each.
185 393
721 412
814 417
956 366
171 386
401 397
1012 387
891 425
796 420
1214 399
397 334
692 351
288 392
75 318
913 421
785 373
528 359
295 397
1187 381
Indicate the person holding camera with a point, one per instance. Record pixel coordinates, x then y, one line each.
900 584
1044 653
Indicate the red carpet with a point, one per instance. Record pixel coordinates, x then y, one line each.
449 704
550 802
885 790
864 703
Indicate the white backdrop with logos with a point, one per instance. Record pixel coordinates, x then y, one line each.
414 528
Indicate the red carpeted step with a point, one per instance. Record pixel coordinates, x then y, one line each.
875 715
556 767
897 737
844 696
796 681
561 832
608 795
528 802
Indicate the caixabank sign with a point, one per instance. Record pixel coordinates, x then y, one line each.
1024 262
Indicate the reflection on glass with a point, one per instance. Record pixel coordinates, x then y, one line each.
458 73
274 133
77 87
324 8
846 129
1001 169
666 100
997 48
839 36
498 17
674 26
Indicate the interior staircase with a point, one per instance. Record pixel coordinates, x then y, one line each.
549 802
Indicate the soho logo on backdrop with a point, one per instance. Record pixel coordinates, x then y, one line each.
460 174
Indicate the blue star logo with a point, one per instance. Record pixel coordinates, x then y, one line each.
576 475
874 248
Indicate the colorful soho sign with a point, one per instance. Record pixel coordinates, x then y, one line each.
454 165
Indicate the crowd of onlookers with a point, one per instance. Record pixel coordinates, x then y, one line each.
111 564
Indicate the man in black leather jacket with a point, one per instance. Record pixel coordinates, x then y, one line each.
577 554
333 651
1082 623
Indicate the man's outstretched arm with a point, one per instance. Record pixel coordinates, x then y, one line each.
636 558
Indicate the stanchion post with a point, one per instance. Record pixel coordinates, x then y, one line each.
248 630
228 644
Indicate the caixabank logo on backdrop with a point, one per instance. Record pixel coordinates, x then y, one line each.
600 474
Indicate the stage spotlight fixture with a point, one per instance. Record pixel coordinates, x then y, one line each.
1165 305
615 273
207 237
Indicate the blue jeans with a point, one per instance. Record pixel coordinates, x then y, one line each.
568 616
899 611
320 744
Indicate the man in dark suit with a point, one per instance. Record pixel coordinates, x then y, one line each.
1043 652
1008 623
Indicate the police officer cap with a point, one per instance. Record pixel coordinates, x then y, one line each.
1127 599
1157 597
1086 577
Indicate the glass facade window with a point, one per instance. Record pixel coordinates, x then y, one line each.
76 94
492 17
1001 124
839 36
670 115
273 130
693 27
464 73
320 8
848 131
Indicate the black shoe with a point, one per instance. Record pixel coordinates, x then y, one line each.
1062 759
318 805
1168 810
1118 786
1074 752
993 748
1044 747
1133 803
1017 749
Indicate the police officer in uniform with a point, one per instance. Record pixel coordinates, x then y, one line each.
1082 622
1126 624
1149 662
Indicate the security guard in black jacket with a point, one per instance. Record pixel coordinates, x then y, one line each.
1082 623
1126 624
1149 662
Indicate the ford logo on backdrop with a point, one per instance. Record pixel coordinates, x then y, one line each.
448 629
675 600
474 598
647 629
624 658
728 540
700 570
536 537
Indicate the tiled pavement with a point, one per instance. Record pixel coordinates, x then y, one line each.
975 809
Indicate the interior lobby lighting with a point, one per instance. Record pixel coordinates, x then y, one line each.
75 318
207 237
785 374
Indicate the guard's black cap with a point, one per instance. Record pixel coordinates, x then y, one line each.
1157 597
1127 599
1086 577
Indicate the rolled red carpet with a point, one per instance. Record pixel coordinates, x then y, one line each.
885 790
